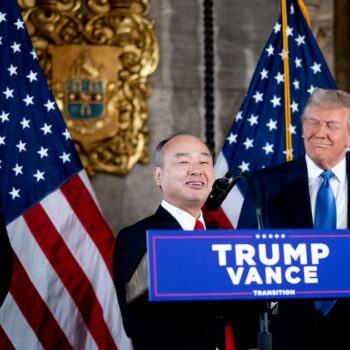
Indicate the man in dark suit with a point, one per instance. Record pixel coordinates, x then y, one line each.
183 169
287 194
6 261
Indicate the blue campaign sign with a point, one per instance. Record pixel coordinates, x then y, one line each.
248 264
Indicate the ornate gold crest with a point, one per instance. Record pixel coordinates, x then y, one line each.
97 56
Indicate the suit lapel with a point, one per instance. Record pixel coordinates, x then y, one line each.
299 195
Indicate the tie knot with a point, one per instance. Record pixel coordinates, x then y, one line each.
327 174
199 225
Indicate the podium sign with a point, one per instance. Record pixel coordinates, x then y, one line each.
248 264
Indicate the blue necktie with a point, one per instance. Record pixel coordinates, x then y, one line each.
326 218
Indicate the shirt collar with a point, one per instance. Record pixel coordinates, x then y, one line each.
186 220
314 171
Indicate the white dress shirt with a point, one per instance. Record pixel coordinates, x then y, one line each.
339 184
186 220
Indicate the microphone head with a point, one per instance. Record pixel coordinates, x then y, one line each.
218 193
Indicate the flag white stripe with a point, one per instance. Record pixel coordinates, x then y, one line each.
16 327
48 284
87 254
232 204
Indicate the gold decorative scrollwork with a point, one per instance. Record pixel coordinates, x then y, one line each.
97 56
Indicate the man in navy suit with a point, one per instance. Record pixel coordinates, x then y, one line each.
287 194
183 169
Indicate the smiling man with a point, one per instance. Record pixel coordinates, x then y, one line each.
310 192
183 169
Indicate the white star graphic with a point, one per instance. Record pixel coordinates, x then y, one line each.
300 39
280 78
32 76
43 152
65 157
25 123
283 54
296 84
316 67
248 143
14 193
21 146
34 55
2 140
289 31
253 119
28 100
12 69
39 175
311 89
0 40
276 101
18 169
2 17
8 93
272 124
232 138
297 62
4 116
49 105
258 96
46 129
66 134
244 166
268 148
291 129
264 74
19 24
292 9
239 116
16 47
277 28
270 50
294 106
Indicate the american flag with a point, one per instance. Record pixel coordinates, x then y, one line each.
62 294
258 135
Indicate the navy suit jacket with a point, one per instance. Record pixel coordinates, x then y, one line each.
173 325
283 194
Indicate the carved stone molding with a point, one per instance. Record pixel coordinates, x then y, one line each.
97 56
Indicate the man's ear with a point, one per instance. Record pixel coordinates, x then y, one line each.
157 174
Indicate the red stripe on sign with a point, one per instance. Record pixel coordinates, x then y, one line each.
90 217
71 275
35 310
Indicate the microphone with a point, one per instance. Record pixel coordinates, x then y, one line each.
220 190
224 185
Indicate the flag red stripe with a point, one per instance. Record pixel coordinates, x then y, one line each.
5 342
66 266
35 310
217 218
83 205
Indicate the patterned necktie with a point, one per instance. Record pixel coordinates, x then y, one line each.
326 218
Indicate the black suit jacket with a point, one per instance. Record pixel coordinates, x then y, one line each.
283 193
173 325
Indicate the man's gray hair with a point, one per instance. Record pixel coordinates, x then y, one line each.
327 98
